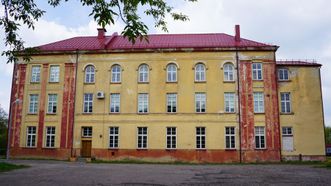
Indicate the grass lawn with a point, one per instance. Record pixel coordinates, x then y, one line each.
8 166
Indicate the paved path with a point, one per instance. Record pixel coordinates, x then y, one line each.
79 173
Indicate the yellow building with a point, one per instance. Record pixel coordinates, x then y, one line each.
178 97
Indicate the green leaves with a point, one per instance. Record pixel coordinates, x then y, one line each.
104 12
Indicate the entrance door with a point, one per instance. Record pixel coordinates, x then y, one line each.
86 148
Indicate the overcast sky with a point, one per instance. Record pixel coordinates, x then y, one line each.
302 29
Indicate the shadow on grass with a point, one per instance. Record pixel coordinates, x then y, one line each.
4 167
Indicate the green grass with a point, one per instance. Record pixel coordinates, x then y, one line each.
8 166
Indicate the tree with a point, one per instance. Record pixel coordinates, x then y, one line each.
104 12
3 131
328 135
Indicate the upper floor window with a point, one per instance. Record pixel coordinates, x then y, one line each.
172 103
283 74
229 101
33 105
89 74
285 101
200 72
171 73
88 103
52 103
143 103
116 74
115 102
257 71
143 73
54 74
258 102
35 74
228 72
200 102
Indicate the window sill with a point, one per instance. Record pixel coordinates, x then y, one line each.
171 82
230 149
85 83
30 147
35 82
259 113
200 81
257 80
115 83
87 137
204 149
51 114
261 149
286 113
32 113
113 148
145 113
286 80
229 81
114 113
171 113
229 113
142 149
53 82
170 150
49 148
200 112
87 113
143 82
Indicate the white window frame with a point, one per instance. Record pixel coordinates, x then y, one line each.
229 102
88 103
54 73
257 71
142 138
114 140
200 72
115 102
283 74
200 101
116 74
228 71
172 72
287 131
258 98
143 73
285 103
89 74
31 136
52 104
50 137
143 106
230 137
35 74
171 137
172 102
87 132
200 137
260 140
33 103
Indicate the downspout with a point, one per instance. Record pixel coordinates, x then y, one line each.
74 108
239 108
319 74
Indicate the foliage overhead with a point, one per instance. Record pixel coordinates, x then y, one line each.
19 13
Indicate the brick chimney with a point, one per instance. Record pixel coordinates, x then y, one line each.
237 36
101 33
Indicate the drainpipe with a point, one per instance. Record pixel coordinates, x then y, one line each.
74 109
239 108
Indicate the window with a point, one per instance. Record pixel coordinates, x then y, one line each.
200 102
228 72
89 74
172 103
171 137
50 137
143 103
257 71
31 136
201 137
54 74
230 138
115 102
200 72
287 139
113 137
88 103
259 138
283 74
229 100
285 102
87 132
142 137
143 73
171 73
33 105
35 74
258 102
52 103
116 74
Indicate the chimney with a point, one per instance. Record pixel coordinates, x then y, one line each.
237 36
101 33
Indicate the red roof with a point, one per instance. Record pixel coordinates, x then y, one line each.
296 63
156 41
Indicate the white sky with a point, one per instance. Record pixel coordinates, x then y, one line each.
302 29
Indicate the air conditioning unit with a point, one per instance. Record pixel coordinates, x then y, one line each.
100 95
